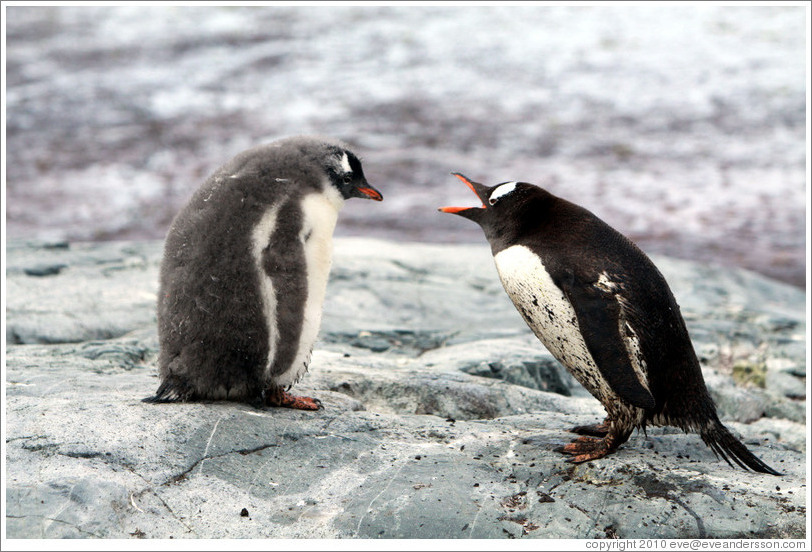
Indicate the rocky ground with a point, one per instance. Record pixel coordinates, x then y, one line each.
441 412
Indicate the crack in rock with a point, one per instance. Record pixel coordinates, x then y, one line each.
181 476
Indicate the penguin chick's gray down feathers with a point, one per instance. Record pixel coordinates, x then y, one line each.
245 270
602 308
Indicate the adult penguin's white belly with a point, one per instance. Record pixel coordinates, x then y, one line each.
550 315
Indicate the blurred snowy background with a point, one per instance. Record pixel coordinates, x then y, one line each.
682 126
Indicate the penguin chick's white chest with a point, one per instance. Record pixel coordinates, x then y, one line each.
549 314
319 216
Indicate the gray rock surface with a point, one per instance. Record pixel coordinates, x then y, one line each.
441 412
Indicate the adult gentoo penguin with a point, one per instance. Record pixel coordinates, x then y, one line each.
245 270
602 308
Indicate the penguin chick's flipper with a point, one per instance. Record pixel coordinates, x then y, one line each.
278 397
599 316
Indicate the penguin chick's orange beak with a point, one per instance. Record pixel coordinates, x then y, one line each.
468 183
371 193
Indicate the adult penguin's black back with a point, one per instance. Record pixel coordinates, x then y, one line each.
604 310
245 271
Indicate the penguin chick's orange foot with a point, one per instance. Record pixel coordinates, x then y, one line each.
276 396
595 430
586 448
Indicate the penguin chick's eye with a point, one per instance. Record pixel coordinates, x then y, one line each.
500 191
347 178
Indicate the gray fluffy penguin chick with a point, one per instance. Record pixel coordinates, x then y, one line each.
603 309
245 271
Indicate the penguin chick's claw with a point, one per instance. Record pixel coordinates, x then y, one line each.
586 448
281 398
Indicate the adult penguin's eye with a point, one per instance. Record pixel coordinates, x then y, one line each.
347 178
501 191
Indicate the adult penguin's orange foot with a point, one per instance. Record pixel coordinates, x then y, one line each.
585 448
595 430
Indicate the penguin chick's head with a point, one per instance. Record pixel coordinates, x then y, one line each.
345 173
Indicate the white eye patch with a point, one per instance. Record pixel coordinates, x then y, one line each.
345 163
501 190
